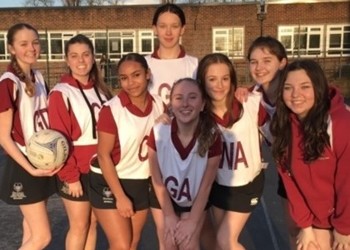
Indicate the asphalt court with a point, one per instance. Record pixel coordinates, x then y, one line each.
265 230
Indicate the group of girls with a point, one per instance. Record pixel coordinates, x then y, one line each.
183 145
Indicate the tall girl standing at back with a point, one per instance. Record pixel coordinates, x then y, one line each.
169 62
120 198
23 111
74 104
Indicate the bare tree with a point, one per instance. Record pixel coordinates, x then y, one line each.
71 3
101 2
39 3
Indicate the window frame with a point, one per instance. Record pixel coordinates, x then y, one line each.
341 47
228 34
298 31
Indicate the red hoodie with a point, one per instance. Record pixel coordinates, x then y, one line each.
319 192
65 121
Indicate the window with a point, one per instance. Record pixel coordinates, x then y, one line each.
120 43
229 41
147 42
338 40
301 40
57 41
3 51
44 46
99 41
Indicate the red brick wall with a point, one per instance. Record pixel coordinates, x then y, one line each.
200 20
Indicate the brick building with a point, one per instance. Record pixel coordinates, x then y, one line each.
320 29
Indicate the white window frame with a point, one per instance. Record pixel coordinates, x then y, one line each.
94 35
64 37
293 32
227 34
146 34
337 30
116 42
6 55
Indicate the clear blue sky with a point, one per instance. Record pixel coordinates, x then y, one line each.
11 3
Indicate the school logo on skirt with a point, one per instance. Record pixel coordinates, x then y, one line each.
107 195
254 201
17 193
65 188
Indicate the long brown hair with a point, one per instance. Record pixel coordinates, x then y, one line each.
314 125
11 33
203 66
94 74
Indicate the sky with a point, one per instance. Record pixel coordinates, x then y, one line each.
19 3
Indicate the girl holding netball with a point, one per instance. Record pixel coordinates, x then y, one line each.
74 105
23 111
169 62
313 155
184 156
240 177
120 177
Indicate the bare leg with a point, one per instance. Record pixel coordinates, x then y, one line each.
138 221
79 213
158 218
207 235
37 225
324 238
230 227
117 228
92 234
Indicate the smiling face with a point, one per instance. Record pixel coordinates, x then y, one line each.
80 60
186 102
264 66
298 93
218 82
133 78
25 47
169 29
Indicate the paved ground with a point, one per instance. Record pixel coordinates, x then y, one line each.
265 229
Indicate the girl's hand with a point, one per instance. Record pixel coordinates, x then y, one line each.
45 172
75 189
341 241
163 118
241 94
185 229
306 240
170 223
124 207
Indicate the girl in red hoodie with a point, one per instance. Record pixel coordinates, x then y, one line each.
313 155
74 106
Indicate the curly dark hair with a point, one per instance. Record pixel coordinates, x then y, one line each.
314 125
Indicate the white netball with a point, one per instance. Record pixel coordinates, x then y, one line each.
47 149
